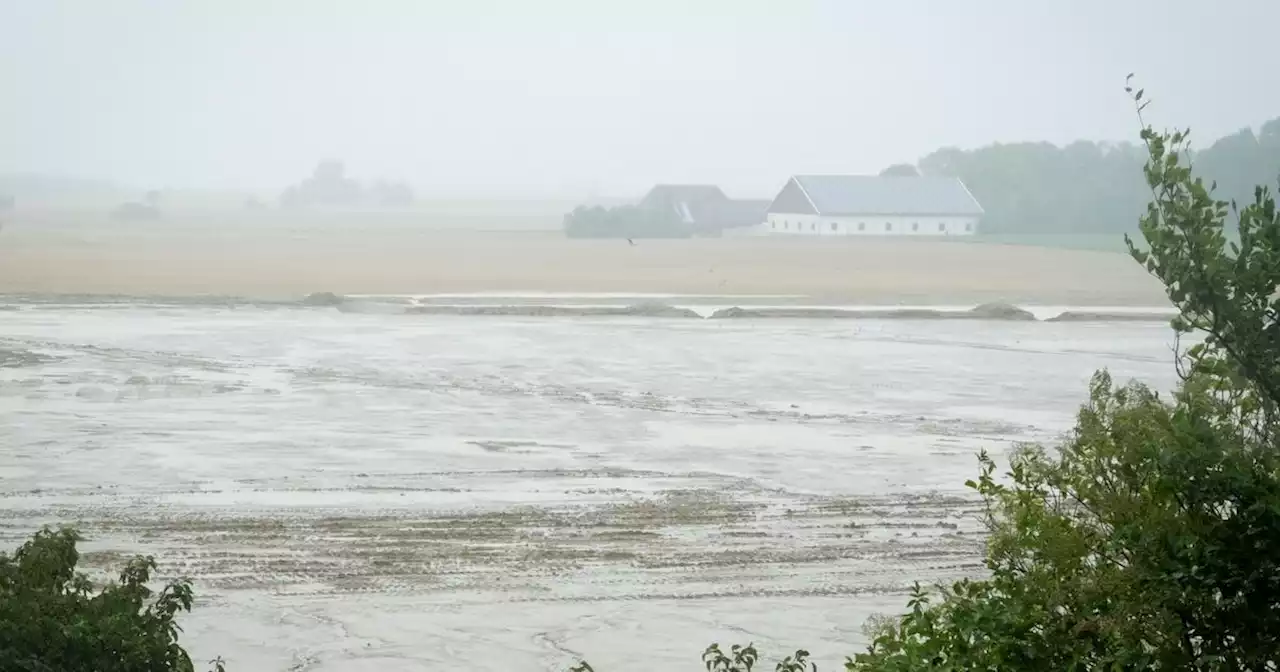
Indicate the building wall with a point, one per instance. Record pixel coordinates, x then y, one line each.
779 224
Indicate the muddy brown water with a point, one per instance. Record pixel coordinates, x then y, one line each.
393 492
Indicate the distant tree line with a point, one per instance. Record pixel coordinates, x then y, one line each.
624 221
1091 187
900 170
329 186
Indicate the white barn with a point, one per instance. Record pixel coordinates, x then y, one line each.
872 205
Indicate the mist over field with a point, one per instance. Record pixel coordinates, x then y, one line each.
421 332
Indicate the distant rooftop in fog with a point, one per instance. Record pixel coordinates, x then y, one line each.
664 194
705 208
875 195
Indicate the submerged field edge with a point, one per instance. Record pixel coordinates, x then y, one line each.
694 307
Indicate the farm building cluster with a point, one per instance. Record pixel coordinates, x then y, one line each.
807 205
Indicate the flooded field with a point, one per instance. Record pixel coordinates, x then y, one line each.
360 491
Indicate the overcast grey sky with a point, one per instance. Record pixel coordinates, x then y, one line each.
566 97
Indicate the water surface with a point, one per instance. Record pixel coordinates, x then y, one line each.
382 491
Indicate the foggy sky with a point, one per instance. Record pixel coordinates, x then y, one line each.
570 97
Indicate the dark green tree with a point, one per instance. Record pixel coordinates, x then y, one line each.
52 619
1224 289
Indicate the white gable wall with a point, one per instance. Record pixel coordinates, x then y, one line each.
781 224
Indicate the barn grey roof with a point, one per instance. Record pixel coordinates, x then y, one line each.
705 207
669 193
888 195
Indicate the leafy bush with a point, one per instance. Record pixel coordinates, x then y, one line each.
624 221
1150 541
52 620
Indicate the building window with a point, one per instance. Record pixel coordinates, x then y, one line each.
773 225
968 226
942 226
888 226
813 226
835 227
862 226
786 225
915 226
